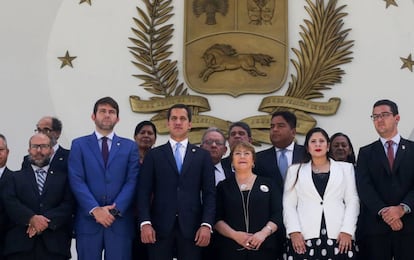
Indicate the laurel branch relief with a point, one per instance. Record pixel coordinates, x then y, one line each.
323 48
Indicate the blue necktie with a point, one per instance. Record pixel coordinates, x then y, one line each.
177 156
40 179
283 163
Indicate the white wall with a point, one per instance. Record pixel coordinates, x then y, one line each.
34 33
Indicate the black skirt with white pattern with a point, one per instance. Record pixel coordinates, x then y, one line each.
322 248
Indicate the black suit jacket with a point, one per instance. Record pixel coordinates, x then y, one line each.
22 200
4 222
266 164
264 205
58 163
164 194
226 164
380 186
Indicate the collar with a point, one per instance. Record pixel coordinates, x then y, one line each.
290 147
396 139
110 136
184 143
46 168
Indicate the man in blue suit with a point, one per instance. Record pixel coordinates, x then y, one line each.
103 169
176 194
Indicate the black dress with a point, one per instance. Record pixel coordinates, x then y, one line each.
321 248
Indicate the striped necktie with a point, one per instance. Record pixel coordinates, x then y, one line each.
40 179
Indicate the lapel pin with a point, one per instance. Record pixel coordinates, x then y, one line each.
193 150
60 159
403 147
51 172
118 144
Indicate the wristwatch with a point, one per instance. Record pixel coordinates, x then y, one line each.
405 208
115 212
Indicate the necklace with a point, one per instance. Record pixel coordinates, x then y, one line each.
322 168
246 185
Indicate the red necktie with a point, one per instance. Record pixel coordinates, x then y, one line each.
390 152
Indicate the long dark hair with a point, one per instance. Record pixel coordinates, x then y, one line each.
307 156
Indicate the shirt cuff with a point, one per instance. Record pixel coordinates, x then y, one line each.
204 224
90 211
144 223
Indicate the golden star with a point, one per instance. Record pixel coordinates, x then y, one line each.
66 60
86 1
390 2
407 63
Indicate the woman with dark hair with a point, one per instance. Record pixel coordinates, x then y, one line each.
341 148
320 204
249 211
145 136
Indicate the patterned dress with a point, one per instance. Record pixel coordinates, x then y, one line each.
321 248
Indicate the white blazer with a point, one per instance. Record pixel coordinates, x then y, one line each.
303 206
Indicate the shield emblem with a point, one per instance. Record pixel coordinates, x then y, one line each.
235 47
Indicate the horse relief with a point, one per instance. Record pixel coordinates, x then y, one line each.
222 57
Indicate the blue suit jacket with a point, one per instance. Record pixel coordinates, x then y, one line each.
94 185
164 194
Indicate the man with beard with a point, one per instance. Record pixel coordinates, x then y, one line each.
52 127
39 204
103 169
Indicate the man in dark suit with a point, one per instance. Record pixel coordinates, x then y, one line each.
282 135
39 204
52 127
103 170
176 194
4 176
214 142
385 181
238 131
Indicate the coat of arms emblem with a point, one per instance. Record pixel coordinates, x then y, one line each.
235 47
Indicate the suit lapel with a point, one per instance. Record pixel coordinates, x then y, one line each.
93 144
115 146
33 182
380 151
400 154
169 154
188 158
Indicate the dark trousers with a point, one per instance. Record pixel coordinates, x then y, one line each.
174 245
391 246
39 252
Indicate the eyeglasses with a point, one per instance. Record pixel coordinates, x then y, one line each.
41 146
382 115
210 142
43 130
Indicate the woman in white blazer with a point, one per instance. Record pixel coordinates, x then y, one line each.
320 204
